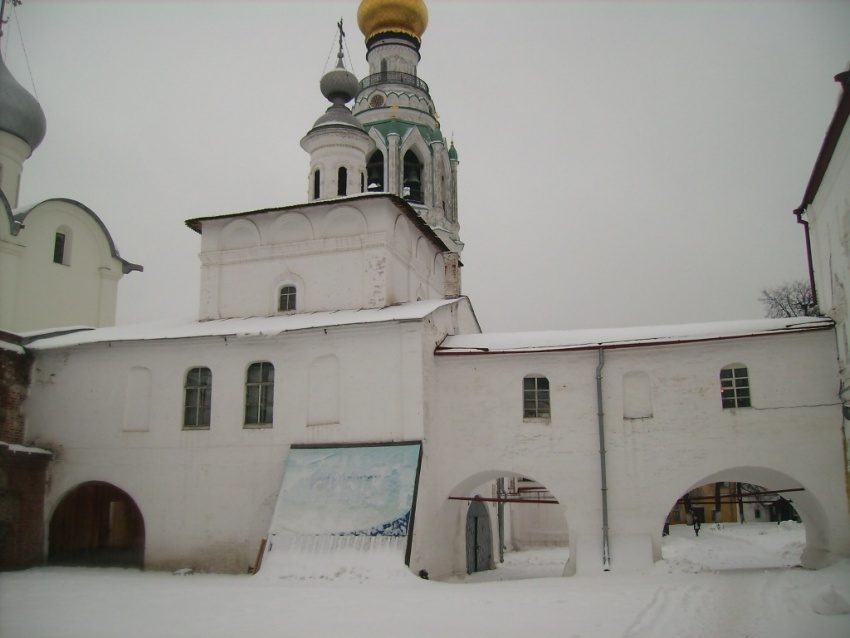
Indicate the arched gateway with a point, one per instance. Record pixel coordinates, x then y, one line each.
97 524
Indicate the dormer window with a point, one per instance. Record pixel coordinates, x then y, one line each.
286 299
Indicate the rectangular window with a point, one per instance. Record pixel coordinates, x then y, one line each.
259 394
59 249
535 398
197 401
734 387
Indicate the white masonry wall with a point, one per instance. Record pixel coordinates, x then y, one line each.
829 219
790 438
113 412
343 255
36 293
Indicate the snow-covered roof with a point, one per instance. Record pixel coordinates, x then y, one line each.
509 342
244 327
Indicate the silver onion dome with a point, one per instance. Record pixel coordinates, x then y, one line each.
20 113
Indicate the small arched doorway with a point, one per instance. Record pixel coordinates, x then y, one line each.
97 524
479 541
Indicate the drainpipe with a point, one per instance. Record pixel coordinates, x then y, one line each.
500 488
799 212
606 557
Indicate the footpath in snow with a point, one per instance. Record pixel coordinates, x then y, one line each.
733 581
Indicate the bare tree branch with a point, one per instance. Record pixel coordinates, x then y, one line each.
791 299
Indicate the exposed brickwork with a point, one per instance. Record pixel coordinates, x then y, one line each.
23 478
14 381
23 474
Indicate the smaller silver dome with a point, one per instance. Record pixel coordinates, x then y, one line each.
338 115
20 113
339 85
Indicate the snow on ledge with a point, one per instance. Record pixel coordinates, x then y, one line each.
623 337
23 449
244 327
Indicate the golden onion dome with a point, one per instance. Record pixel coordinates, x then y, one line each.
397 16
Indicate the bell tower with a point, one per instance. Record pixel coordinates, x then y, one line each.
410 157
338 144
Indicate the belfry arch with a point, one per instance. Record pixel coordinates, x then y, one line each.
97 524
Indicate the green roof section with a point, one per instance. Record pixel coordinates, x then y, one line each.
453 152
400 127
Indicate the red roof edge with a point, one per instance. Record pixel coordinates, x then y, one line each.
830 141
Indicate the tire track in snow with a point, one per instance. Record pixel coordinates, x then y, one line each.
662 610
717 605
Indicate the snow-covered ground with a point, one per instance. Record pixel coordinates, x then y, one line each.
732 581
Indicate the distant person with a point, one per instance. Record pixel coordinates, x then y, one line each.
696 526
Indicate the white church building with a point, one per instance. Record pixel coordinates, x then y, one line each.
336 393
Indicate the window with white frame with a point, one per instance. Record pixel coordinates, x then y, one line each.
535 397
734 386
197 399
259 394
286 299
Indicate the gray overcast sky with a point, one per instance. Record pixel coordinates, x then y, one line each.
621 163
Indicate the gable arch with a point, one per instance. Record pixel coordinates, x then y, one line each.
404 234
60 210
422 254
439 264
239 234
289 228
344 221
414 142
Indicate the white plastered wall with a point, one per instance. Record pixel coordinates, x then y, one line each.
790 437
348 254
207 496
81 291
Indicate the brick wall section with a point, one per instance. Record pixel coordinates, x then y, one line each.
23 473
14 381
23 480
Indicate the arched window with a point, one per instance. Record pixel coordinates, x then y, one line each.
317 180
375 173
197 399
412 178
286 299
384 68
535 397
342 181
259 395
735 386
